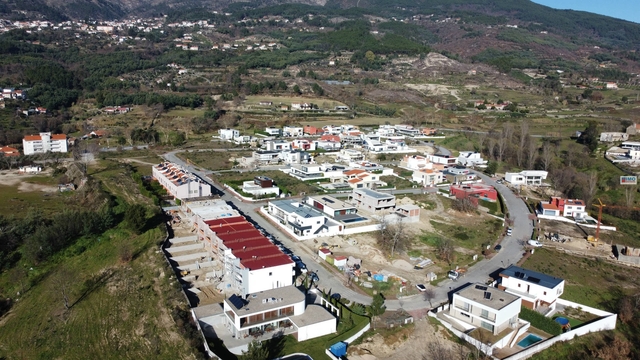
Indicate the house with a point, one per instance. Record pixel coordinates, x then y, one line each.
474 192
301 106
471 159
429 131
565 207
41 110
178 182
526 177
303 144
243 139
260 186
408 213
328 145
9 151
29 169
292 131
98 134
537 290
307 172
414 162
334 208
548 209
265 103
480 306
427 177
279 310
228 134
373 201
613 136
442 159
273 131
350 155
277 145
458 174
295 157
407 130
386 130
633 129
43 143
311 130
302 220
341 108
611 86
323 253
329 137
266 157
362 179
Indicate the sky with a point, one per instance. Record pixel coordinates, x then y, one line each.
622 9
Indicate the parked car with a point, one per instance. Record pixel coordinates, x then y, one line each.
509 231
314 277
498 248
453 275
301 266
295 258
534 243
421 287
336 296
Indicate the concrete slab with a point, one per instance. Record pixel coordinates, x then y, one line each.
182 248
183 239
190 257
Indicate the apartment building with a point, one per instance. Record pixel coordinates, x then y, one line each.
180 183
373 201
43 143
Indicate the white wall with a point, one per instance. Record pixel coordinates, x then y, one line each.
260 280
316 330
537 291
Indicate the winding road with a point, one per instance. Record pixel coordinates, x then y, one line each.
511 251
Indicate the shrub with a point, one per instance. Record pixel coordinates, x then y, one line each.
540 321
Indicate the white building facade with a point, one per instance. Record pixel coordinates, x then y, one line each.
44 143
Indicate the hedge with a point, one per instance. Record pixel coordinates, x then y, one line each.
540 321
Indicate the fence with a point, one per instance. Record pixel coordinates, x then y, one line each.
476 343
606 322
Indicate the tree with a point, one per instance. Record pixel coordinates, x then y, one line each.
589 136
370 56
377 308
591 187
135 217
445 250
524 134
532 152
548 153
464 205
492 167
296 89
630 194
255 351
393 237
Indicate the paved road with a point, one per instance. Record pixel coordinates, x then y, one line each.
511 250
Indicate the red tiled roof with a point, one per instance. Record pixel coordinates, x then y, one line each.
353 181
262 262
32 138
325 251
228 220
58 137
549 207
354 172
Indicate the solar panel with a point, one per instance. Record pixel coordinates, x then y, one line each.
328 200
487 295
533 280
236 301
480 287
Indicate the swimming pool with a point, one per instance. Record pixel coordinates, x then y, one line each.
529 340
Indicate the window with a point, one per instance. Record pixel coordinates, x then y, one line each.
270 273
484 314
545 293
486 325
518 284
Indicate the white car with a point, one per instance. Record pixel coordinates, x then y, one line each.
421 287
534 243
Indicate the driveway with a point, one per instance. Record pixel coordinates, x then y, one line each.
510 254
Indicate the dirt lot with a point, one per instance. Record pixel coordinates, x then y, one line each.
14 178
574 238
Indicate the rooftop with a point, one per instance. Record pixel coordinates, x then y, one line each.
212 209
294 207
331 202
313 314
374 194
265 300
486 295
531 276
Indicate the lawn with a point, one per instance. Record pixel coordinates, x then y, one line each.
398 183
483 231
595 283
286 183
18 203
211 160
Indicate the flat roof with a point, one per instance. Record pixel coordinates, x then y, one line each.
313 314
488 296
374 194
276 298
531 276
212 209
304 211
408 207
331 202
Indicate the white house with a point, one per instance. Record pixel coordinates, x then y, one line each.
273 131
228 134
386 130
359 179
292 131
303 220
537 290
407 130
178 182
295 157
282 309
481 306
43 143
415 162
328 145
277 145
442 159
427 177
266 157
470 159
260 186
336 209
613 136
349 155
526 177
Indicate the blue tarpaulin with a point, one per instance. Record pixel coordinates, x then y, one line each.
339 349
